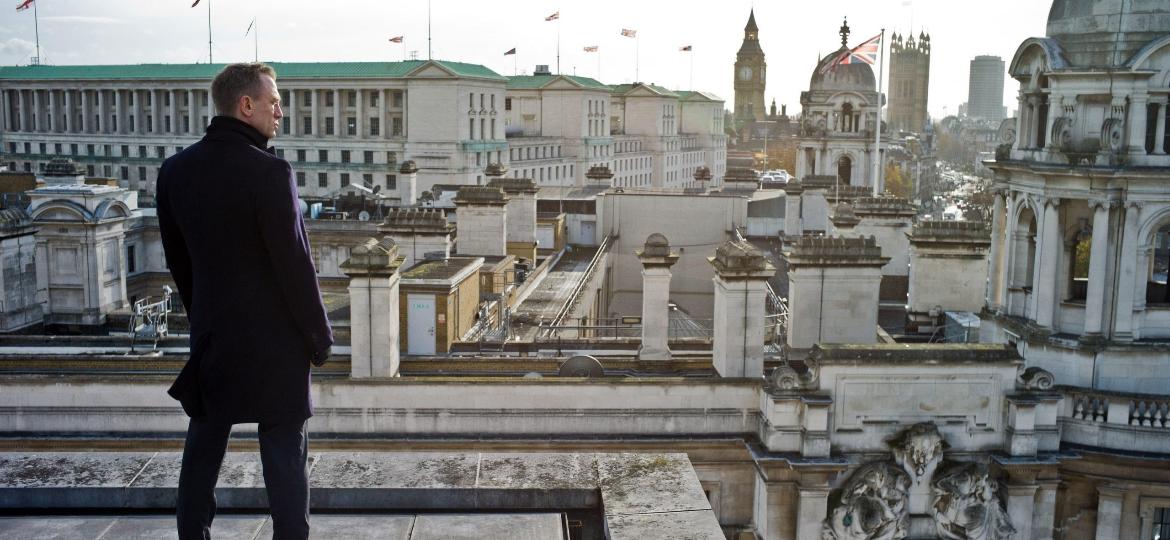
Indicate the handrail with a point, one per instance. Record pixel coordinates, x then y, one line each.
568 306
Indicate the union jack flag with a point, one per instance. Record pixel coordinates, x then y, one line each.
866 53
629 33
23 5
553 17
591 48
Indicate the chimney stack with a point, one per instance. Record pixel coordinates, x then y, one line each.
481 226
833 290
373 308
741 294
656 260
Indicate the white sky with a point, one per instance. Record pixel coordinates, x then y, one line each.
792 33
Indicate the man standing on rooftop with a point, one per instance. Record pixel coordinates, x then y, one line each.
236 247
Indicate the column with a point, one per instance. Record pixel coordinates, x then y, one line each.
1044 510
1123 327
1109 513
191 122
21 111
119 111
36 124
156 110
1021 504
337 128
103 123
315 112
7 114
69 127
1137 123
1050 254
359 112
383 120
83 97
174 112
294 121
1160 132
656 259
1099 247
373 292
998 227
53 118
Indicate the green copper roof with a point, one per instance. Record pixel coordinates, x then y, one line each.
697 95
528 82
295 70
626 88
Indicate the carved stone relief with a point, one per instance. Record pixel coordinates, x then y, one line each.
967 505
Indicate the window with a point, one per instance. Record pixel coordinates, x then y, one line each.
125 150
492 133
493 102
374 126
368 180
131 262
483 128
323 156
160 152
345 156
507 104
328 99
398 99
301 155
167 122
471 101
132 128
351 99
89 171
344 179
374 98
125 172
308 95
186 123
300 179
328 125
322 180
368 156
44 148
351 126
391 181
142 174
142 151
471 128
57 148
396 127
285 125
391 157
280 153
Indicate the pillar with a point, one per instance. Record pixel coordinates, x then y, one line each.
119 112
37 124
359 111
22 111
103 123
1138 109
812 509
1123 326
1160 132
741 275
373 298
337 113
998 228
315 112
156 111
1044 510
294 119
383 121
1021 505
68 115
1099 247
1109 513
656 259
193 112
1050 254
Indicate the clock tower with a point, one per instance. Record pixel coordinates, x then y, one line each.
750 74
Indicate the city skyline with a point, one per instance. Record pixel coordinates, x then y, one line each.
76 32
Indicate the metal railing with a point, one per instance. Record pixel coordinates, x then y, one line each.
563 312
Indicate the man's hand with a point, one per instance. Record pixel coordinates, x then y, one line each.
319 357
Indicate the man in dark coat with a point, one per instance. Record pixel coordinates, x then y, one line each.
237 249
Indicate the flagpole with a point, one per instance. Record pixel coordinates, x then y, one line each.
691 77
637 55
428 29
37 31
256 39
210 59
877 163
599 64
558 41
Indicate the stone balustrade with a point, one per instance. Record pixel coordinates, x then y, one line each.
1115 420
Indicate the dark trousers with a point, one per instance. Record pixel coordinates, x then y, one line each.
284 450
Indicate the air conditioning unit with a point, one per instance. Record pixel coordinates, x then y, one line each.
961 327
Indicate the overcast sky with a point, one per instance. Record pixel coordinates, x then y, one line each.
793 34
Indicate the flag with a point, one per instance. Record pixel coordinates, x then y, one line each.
195 4
250 25
396 39
866 53
591 48
553 17
685 49
23 5
629 33
510 51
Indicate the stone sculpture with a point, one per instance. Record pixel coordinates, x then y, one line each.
967 505
873 505
919 450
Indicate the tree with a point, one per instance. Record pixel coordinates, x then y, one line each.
896 184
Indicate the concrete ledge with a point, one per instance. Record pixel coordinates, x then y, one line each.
638 494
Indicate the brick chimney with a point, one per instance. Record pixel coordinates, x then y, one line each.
656 260
741 275
833 290
372 268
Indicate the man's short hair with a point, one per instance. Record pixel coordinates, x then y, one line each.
236 81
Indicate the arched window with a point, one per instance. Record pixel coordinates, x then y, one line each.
1042 113
1023 262
1080 248
847 121
1157 291
844 170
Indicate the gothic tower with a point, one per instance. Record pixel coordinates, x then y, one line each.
909 82
750 75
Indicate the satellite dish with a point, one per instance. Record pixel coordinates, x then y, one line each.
377 188
581 366
363 216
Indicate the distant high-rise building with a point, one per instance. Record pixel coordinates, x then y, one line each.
909 82
750 71
985 88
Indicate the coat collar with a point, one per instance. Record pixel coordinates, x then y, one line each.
226 128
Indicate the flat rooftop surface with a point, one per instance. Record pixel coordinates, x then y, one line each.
554 290
527 526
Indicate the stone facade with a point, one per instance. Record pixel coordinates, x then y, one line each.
482 221
909 82
833 290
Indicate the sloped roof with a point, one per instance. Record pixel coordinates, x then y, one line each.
299 70
624 89
530 82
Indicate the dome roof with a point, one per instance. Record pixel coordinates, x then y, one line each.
856 77
1093 35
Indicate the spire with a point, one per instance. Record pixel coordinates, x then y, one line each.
844 33
751 24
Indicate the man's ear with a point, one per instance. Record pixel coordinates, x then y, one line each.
247 105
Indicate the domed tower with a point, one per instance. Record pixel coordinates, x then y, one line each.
909 82
840 113
750 75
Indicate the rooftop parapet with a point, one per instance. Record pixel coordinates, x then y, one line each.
737 258
836 251
848 193
513 185
740 174
844 217
416 219
951 231
481 195
819 181
915 353
64 171
884 206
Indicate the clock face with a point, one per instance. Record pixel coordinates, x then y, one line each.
745 73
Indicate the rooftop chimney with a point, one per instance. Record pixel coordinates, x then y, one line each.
656 260
372 268
741 291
